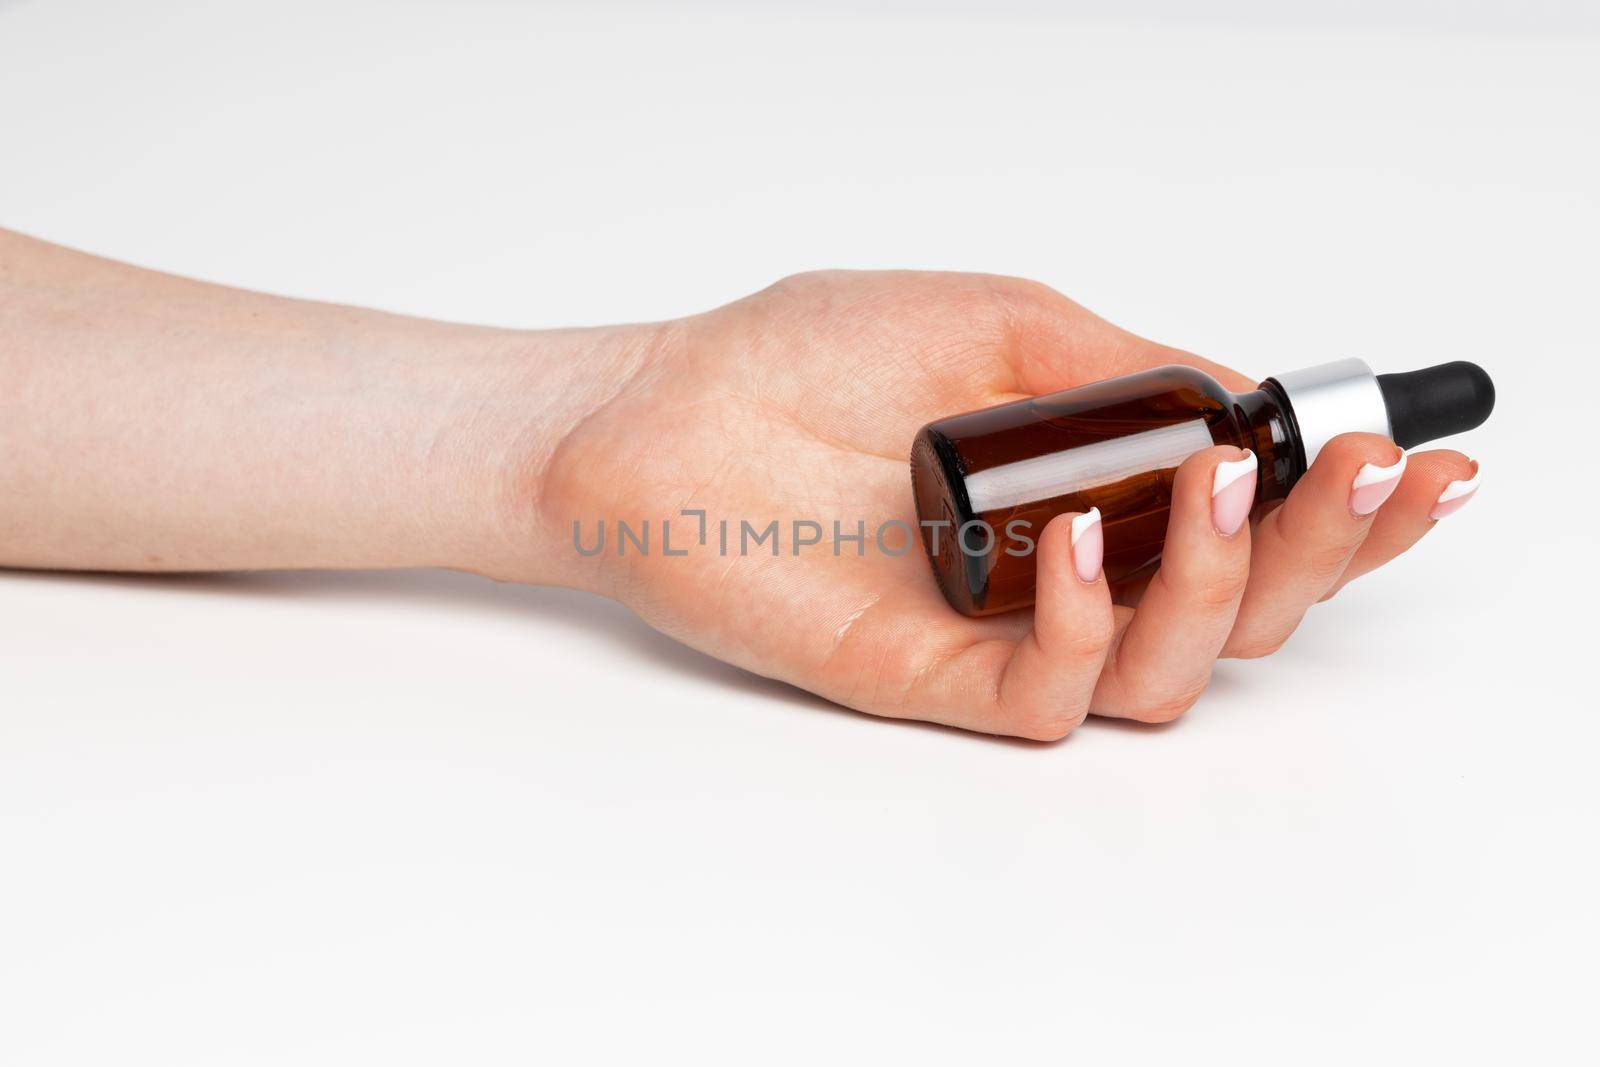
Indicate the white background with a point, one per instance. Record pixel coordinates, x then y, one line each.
421 818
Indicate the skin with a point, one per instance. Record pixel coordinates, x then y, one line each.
153 423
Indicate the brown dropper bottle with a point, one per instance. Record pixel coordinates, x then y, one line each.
986 483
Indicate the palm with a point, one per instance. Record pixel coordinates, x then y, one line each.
800 404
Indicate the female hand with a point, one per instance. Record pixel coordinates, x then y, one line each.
156 423
800 403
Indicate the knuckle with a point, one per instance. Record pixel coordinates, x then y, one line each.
1048 726
1025 290
799 279
1258 647
1026 300
1326 563
796 288
1168 706
1168 710
1212 588
1089 638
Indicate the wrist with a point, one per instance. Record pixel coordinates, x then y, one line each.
510 480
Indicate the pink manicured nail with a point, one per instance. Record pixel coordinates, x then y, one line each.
1374 484
1233 491
1088 544
1455 496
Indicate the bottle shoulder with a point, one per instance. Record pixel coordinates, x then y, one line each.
1183 376
1171 386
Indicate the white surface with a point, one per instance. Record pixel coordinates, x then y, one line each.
419 818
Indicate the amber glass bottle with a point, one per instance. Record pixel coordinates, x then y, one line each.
986 483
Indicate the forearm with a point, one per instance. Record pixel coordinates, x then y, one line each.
154 423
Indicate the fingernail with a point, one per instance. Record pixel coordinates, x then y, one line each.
1455 496
1088 544
1233 491
1374 485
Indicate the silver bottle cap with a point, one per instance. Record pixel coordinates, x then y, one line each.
1334 398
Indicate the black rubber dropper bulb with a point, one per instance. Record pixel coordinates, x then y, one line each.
1436 401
